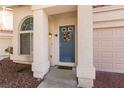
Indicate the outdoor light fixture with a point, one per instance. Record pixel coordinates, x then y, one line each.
50 35
6 19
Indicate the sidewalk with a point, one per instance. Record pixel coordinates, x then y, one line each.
59 78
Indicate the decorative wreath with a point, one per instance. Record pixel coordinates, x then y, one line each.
67 34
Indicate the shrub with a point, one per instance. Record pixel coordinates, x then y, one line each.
9 50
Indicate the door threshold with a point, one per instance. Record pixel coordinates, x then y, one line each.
65 67
66 64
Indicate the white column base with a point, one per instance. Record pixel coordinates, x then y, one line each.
85 75
39 71
39 75
86 83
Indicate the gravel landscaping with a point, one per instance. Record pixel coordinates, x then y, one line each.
109 80
13 75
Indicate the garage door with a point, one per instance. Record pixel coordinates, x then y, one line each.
109 49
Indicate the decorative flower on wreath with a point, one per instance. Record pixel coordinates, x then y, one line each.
67 33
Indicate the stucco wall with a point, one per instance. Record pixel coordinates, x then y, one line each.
5 42
54 22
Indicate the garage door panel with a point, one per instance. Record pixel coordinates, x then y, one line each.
108 34
119 44
97 60
96 34
107 43
107 49
96 44
107 54
118 60
106 60
106 66
119 66
118 49
119 33
119 55
96 54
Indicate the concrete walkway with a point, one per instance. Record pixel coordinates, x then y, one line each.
59 78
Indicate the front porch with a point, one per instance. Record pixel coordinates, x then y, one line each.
47 51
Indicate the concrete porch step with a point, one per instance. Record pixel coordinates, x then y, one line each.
59 78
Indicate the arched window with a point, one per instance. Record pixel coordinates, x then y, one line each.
26 36
27 24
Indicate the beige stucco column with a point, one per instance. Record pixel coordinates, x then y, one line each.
40 64
85 68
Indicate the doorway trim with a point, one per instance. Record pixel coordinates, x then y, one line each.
66 63
55 21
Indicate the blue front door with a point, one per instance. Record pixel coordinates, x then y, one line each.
67 43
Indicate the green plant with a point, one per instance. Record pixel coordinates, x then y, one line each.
9 50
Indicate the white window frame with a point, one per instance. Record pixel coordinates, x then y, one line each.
23 32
